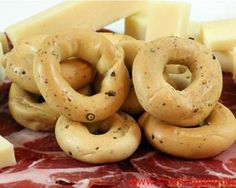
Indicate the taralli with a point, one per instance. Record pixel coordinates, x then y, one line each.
215 135
190 106
111 140
29 112
129 44
131 105
95 49
19 67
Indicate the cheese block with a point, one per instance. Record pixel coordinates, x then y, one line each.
7 155
226 60
167 19
4 42
219 35
135 25
194 30
92 15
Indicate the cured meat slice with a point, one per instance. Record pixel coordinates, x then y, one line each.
175 171
41 163
228 96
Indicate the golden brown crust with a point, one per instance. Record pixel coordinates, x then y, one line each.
187 107
30 113
121 138
211 138
19 66
98 51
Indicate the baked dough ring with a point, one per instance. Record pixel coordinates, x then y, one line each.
187 107
131 105
28 112
129 44
95 49
19 67
121 138
215 135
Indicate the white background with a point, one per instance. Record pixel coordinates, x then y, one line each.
12 11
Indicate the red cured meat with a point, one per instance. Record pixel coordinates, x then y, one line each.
228 96
41 163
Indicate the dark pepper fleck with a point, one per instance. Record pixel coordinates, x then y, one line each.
191 38
113 74
110 93
195 110
213 56
70 153
153 136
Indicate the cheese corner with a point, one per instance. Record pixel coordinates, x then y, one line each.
7 155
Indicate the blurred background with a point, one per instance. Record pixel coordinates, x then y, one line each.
12 11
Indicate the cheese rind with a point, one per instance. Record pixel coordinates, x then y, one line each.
167 19
7 156
135 25
219 35
2 69
91 15
4 42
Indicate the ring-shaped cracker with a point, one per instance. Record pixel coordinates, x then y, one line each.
121 138
215 135
95 49
129 44
19 66
30 113
187 107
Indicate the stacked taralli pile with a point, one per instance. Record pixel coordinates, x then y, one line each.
89 87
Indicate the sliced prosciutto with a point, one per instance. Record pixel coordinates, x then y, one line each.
41 163
228 96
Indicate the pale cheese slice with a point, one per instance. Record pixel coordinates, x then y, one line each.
91 15
135 25
167 19
226 60
7 155
194 30
219 35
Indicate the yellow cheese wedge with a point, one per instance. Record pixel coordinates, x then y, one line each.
226 60
219 35
167 19
3 40
92 15
135 25
7 156
194 30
